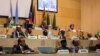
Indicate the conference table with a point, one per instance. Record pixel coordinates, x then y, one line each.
70 54
33 43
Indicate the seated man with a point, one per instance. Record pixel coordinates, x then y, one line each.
62 34
45 32
91 37
97 46
50 31
17 33
72 28
26 24
28 32
63 45
75 46
21 47
43 25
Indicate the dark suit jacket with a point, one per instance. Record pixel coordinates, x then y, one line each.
17 49
97 46
15 34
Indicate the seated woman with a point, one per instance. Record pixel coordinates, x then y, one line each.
63 45
75 46
21 47
72 28
17 33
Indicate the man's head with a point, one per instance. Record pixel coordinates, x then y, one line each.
72 26
27 21
21 41
18 28
45 32
75 42
89 35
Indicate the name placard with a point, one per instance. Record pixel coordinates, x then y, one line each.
98 50
42 37
32 37
3 36
83 51
63 52
55 38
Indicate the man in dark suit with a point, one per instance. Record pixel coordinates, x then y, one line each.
75 46
26 24
21 47
17 33
63 45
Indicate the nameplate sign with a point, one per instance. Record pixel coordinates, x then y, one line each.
63 52
32 37
98 50
55 38
3 36
14 27
42 37
83 51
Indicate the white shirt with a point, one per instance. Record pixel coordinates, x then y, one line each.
74 30
50 33
75 38
93 38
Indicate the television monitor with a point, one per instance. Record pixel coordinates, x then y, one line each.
48 5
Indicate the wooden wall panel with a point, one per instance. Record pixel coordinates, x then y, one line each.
90 15
69 11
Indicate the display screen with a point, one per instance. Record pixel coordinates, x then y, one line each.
49 5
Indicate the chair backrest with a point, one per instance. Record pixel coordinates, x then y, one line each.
48 50
7 49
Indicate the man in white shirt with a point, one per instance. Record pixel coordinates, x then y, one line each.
93 38
71 28
90 37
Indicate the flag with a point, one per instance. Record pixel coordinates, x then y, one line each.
44 14
35 18
31 16
98 33
54 21
11 23
16 14
48 19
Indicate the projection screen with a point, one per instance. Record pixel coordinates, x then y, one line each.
23 7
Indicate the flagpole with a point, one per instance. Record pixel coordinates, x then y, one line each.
16 14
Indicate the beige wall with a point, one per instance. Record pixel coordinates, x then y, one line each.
69 11
90 15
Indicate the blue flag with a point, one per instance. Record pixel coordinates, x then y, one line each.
16 14
11 23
